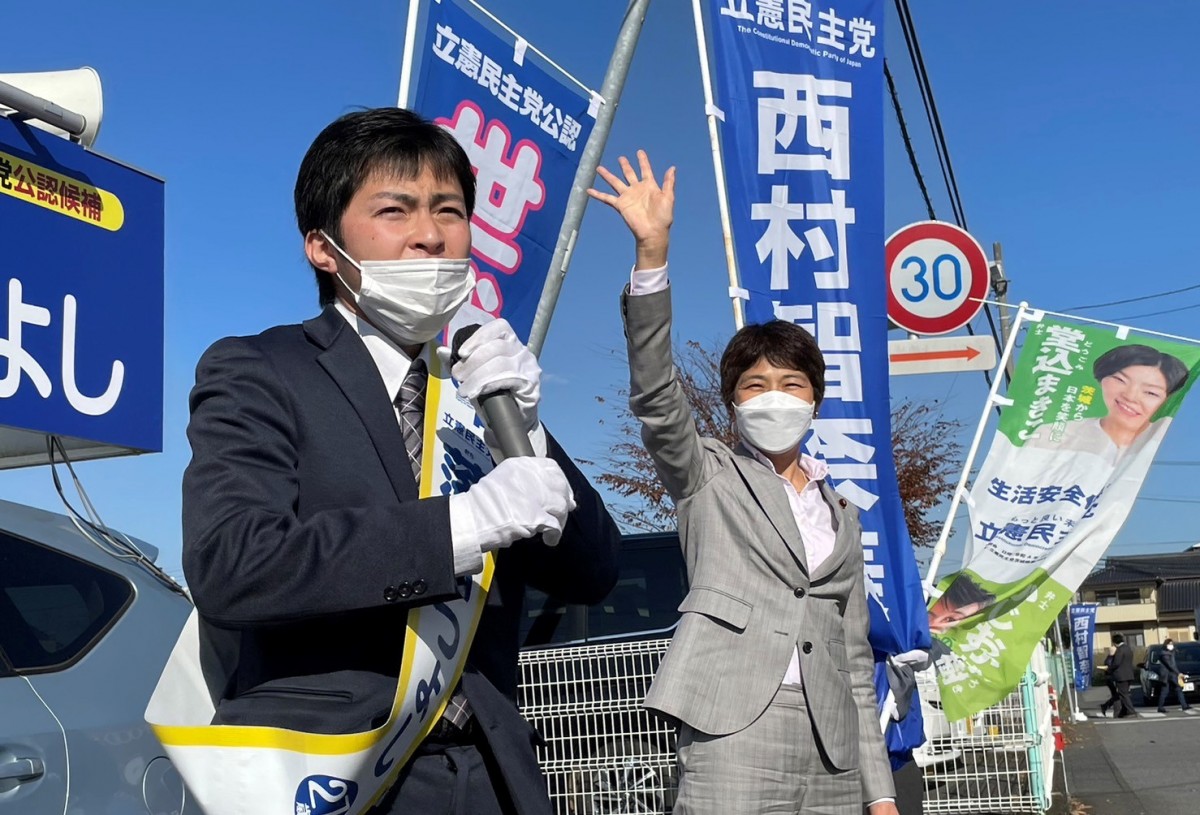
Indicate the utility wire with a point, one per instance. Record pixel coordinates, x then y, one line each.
931 114
1135 299
940 147
908 145
1154 313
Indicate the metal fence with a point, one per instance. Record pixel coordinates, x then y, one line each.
604 754
998 761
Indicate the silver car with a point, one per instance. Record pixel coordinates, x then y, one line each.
84 634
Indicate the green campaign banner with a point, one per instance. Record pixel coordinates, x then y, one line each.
1089 410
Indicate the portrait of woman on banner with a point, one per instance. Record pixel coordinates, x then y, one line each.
1134 381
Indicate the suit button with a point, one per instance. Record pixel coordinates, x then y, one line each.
799 592
390 594
404 589
806 647
419 587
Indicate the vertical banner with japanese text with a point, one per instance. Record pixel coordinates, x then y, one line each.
524 127
1082 617
1089 410
799 87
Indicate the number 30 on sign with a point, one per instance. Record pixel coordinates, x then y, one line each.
937 276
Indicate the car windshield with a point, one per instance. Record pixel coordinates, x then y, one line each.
1187 656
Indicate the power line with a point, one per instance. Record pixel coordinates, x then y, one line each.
908 146
931 114
1135 299
941 148
1154 313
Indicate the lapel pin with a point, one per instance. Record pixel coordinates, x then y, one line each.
842 503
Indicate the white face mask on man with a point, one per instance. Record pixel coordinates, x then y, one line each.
410 300
774 422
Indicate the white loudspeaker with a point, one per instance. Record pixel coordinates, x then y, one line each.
77 90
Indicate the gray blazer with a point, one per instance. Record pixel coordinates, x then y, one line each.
753 599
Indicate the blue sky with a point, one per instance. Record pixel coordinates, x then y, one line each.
1071 128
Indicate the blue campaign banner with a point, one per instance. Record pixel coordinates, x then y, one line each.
1083 630
82 287
799 88
525 130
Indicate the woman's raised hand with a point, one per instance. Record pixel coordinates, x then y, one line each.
647 208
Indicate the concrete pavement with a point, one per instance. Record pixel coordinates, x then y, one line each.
1149 765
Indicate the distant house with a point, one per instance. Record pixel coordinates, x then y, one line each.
1145 597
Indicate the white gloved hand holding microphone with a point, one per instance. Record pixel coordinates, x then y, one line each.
523 496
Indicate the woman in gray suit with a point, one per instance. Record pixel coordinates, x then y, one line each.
770 672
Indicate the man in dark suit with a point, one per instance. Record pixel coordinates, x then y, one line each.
1122 674
1169 669
305 541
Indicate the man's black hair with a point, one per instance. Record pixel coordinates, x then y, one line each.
347 152
965 592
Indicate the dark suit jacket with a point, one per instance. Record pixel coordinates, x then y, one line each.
1170 668
1122 664
304 545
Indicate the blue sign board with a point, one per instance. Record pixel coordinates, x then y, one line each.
525 130
799 89
81 293
1083 632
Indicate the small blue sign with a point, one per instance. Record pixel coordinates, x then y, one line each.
81 294
1083 631
325 795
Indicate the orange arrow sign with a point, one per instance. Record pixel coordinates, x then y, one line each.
931 356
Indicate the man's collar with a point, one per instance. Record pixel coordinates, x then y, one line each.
391 360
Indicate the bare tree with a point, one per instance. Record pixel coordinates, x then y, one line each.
925 445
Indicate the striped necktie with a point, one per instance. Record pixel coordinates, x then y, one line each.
410 401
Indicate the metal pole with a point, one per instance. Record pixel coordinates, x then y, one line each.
994 398
710 109
1000 289
610 92
410 48
35 107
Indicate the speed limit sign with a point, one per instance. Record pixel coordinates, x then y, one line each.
937 277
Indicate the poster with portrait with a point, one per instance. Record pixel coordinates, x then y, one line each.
1090 407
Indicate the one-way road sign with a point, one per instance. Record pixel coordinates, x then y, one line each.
937 355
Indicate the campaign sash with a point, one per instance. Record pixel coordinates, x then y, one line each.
239 770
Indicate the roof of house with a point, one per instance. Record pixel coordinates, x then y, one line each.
1121 569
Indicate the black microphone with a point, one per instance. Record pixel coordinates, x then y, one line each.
499 410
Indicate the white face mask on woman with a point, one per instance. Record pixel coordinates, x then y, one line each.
774 422
410 300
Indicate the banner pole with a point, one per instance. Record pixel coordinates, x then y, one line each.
410 47
711 113
994 398
610 93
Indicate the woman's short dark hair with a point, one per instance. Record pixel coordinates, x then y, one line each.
783 344
1121 357
348 151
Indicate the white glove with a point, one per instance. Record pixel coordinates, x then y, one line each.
494 359
520 498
